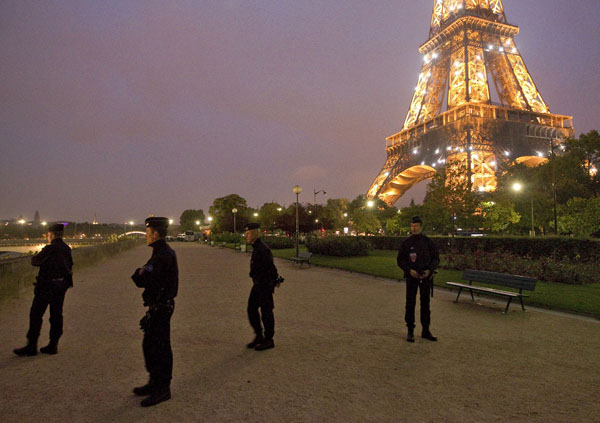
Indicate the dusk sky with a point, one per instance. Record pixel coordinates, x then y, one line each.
125 108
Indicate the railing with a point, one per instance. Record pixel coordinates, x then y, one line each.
482 111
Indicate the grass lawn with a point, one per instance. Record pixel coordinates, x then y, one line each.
576 298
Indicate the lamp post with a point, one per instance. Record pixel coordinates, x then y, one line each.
552 147
518 187
315 192
297 190
234 211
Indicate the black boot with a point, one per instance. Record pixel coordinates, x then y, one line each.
266 344
257 340
27 351
427 335
410 337
145 390
157 396
51 348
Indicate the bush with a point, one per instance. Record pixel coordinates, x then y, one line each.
339 246
544 269
558 248
228 237
278 242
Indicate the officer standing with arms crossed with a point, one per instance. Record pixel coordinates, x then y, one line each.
265 278
418 257
53 280
160 279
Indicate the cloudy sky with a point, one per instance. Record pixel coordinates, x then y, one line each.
129 107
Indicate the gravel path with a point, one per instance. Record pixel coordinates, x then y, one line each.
340 353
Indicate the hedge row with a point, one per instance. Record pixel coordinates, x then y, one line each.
557 248
339 246
278 242
544 269
229 238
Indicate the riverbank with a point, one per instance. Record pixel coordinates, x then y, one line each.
17 273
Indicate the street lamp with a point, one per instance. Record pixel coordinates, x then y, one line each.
518 187
297 190
170 221
234 211
370 204
315 192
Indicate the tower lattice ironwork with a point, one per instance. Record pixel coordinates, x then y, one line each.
494 111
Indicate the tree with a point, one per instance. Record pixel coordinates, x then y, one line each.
498 215
268 214
222 216
449 203
580 217
188 219
366 222
334 215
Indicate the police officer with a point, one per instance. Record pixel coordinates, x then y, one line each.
264 277
418 257
53 280
160 279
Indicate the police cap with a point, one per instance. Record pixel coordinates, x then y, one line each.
252 225
57 227
416 219
157 222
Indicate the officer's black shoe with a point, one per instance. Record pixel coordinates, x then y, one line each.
410 337
258 340
49 349
157 397
267 344
142 391
27 351
427 335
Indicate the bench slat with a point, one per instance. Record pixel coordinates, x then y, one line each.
483 289
503 279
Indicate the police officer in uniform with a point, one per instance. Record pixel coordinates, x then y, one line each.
418 257
160 279
53 280
265 278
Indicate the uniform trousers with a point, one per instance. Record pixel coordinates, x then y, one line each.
158 355
412 286
261 297
46 294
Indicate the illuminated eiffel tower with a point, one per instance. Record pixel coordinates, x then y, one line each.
470 48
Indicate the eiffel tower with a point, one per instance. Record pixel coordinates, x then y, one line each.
470 48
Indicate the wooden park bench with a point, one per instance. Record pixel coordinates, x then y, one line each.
494 278
303 257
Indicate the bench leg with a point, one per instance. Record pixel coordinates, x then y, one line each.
308 262
522 305
507 305
459 291
472 297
